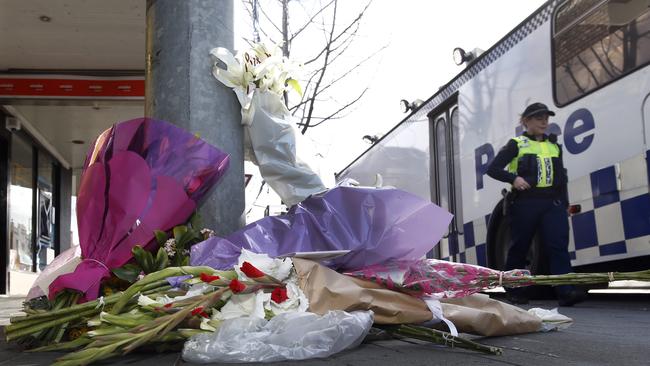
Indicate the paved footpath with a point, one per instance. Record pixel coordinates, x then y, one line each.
607 330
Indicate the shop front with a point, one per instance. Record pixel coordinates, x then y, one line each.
32 211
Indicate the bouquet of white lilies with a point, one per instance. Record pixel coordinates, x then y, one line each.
259 77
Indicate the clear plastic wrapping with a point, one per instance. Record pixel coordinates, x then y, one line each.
287 336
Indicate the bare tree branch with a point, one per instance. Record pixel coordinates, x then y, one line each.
334 81
344 31
305 94
342 76
338 38
322 74
311 20
250 13
332 116
270 20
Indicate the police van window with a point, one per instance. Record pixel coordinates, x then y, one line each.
442 178
596 42
457 188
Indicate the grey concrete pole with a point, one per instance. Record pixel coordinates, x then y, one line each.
180 89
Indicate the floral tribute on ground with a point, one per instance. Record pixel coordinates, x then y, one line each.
149 276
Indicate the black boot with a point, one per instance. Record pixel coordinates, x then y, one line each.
572 297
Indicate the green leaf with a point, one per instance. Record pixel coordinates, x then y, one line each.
162 259
295 85
196 221
186 261
149 264
128 272
181 242
139 255
179 231
161 237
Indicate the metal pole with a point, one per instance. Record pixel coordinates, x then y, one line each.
180 89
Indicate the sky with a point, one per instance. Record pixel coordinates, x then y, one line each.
419 37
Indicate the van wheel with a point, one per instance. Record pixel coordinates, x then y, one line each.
536 261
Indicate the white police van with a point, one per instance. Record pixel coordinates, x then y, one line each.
586 59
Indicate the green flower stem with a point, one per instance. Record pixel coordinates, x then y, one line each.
180 335
153 277
105 330
21 329
65 346
124 320
89 355
172 320
25 321
158 330
59 330
16 321
576 278
444 338
17 333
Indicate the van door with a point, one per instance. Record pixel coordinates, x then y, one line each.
445 175
646 133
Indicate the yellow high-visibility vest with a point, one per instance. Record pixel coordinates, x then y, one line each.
545 151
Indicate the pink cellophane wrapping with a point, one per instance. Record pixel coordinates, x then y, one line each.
437 277
140 175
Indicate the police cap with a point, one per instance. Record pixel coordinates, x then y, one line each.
537 109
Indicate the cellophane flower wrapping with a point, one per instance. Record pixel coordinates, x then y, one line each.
442 279
287 336
286 161
139 176
376 225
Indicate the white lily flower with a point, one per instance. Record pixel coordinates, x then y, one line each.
296 302
232 75
163 300
261 68
208 324
244 305
274 267
195 290
146 301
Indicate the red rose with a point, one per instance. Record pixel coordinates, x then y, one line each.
279 295
208 278
199 311
251 271
236 286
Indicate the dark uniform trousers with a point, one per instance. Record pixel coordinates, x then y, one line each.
551 218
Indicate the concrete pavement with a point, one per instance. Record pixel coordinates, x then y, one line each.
9 305
607 330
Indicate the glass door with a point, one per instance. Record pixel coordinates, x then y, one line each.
45 250
445 189
21 198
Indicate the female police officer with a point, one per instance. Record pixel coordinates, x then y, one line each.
538 178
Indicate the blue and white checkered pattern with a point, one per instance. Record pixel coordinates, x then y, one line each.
614 222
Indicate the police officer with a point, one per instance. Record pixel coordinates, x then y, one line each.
536 172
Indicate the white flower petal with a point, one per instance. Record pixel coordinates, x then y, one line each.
275 267
205 325
238 306
146 301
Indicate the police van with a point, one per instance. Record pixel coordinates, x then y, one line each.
586 59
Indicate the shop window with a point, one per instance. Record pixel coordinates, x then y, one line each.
21 189
45 251
596 42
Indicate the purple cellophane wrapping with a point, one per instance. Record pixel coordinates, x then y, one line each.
377 225
140 175
440 278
